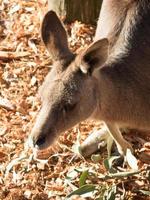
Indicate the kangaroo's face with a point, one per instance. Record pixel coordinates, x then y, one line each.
69 93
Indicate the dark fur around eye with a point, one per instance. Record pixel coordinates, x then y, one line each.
69 107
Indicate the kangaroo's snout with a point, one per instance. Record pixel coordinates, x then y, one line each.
40 141
41 137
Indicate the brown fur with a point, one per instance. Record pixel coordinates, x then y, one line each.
108 82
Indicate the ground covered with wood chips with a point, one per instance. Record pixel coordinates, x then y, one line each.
58 170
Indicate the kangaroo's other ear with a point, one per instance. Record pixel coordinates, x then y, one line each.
95 55
54 36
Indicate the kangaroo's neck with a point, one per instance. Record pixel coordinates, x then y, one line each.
126 24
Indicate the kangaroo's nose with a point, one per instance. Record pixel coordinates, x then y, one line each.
40 141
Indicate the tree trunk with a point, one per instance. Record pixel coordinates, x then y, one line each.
86 11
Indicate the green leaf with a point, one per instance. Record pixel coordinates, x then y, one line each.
95 158
80 169
131 160
108 163
145 192
83 190
119 175
83 178
110 193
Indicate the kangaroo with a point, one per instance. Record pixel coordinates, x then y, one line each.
108 81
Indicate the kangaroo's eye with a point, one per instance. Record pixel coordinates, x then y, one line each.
69 107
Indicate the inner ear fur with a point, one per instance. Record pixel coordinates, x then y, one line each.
54 36
94 56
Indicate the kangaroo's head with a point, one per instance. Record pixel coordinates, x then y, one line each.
69 93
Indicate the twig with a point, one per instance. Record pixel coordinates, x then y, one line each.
12 55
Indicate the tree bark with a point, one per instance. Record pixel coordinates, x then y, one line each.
86 11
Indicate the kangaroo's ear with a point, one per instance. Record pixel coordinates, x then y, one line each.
94 56
54 36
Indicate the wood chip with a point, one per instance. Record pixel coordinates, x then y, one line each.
6 104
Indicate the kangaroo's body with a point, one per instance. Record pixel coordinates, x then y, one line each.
109 81
126 73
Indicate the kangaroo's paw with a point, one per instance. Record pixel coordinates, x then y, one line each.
116 134
95 141
123 148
